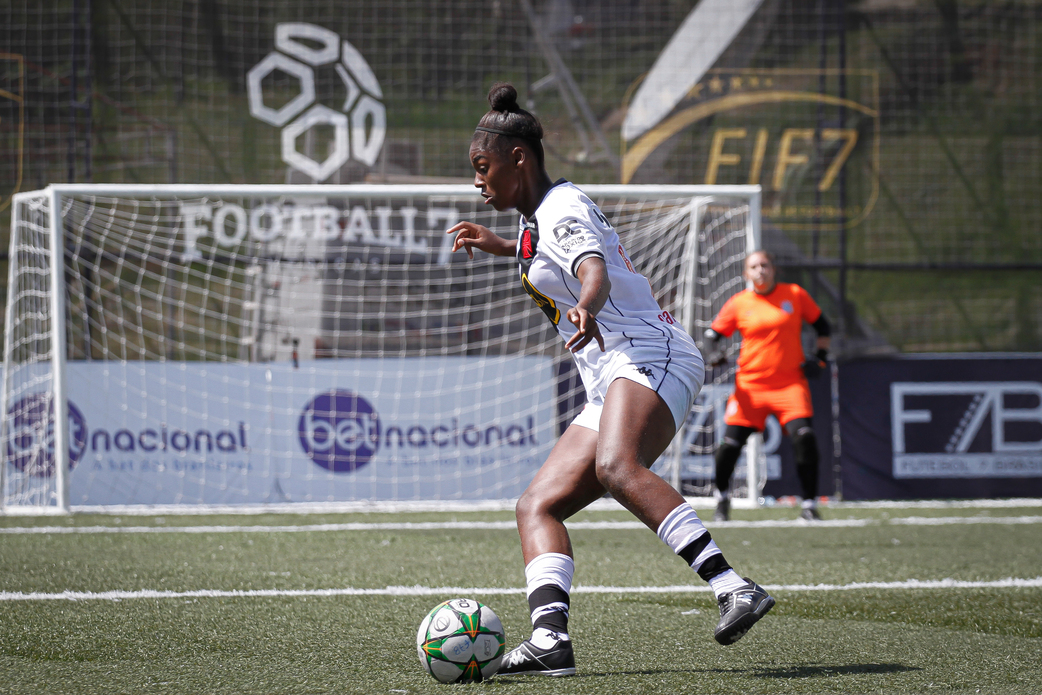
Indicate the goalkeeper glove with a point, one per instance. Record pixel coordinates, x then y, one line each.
715 355
814 366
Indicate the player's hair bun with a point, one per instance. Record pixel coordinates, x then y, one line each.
502 97
506 120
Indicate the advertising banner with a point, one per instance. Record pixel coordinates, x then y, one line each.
336 430
942 427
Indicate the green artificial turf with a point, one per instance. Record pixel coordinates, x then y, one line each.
901 640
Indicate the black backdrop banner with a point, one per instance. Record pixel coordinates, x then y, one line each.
938 426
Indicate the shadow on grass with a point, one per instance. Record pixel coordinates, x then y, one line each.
818 670
807 671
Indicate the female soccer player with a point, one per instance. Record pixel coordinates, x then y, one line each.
641 372
772 374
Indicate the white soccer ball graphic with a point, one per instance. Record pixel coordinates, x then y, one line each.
298 59
461 641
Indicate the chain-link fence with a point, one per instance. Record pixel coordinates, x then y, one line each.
897 141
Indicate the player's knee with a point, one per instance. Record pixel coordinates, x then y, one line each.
532 504
538 503
805 446
725 460
612 471
728 452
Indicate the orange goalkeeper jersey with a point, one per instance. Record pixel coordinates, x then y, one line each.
772 350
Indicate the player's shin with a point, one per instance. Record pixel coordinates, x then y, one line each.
742 602
805 451
549 579
684 532
549 651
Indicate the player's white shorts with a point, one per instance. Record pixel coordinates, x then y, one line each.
678 393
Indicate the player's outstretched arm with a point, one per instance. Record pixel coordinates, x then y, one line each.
470 236
593 274
814 366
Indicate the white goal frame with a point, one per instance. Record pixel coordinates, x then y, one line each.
54 195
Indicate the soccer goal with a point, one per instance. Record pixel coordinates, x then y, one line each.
220 346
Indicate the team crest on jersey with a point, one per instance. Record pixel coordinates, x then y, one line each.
527 249
786 306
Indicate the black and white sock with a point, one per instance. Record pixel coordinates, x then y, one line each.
683 531
549 578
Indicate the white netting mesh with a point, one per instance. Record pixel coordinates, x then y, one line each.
318 345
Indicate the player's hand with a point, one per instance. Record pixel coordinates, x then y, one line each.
588 330
470 236
716 358
814 366
715 353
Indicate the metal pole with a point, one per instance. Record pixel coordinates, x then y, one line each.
841 320
60 396
754 445
572 96
5 383
687 319
73 107
88 101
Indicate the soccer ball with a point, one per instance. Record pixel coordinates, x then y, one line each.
461 641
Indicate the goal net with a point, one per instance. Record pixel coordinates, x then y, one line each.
280 345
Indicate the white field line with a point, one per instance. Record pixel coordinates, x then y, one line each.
911 584
491 505
511 525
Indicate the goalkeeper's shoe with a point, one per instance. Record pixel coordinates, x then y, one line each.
740 610
810 514
723 509
529 660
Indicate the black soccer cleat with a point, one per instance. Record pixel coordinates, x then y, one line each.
723 509
810 514
740 610
529 660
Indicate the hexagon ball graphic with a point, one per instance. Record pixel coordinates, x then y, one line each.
300 48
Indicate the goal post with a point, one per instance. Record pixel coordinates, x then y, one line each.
279 346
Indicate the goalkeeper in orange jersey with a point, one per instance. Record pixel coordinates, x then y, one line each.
772 374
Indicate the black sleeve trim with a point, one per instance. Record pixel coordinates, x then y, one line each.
821 326
582 257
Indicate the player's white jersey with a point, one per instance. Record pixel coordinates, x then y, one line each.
641 340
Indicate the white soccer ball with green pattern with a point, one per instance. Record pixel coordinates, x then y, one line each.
461 641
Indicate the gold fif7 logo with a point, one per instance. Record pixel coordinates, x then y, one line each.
815 153
12 125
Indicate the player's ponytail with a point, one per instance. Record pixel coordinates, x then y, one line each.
506 122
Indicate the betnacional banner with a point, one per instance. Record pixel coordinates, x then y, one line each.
942 427
336 430
917 427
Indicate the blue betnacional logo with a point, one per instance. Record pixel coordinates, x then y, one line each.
339 430
30 445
